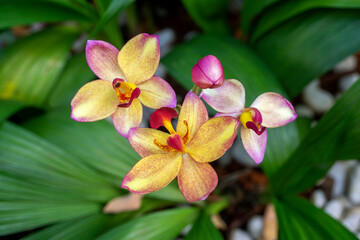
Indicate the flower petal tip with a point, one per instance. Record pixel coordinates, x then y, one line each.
125 186
191 200
120 131
101 57
73 117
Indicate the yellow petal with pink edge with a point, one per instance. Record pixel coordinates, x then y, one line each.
213 139
157 93
102 60
142 140
194 112
152 173
126 118
139 58
94 101
196 180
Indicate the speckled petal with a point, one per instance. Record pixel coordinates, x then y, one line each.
157 93
194 112
142 140
213 139
152 173
94 101
126 118
140 57
254 144
275 110
196 180
102 59
234 114
230 97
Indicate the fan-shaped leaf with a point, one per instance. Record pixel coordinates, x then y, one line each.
30 67
160 225
298 52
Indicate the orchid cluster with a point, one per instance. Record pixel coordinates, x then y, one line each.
127 81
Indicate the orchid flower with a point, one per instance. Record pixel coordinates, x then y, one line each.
126 81
269 110
184 153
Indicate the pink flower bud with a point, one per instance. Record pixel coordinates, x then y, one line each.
208 73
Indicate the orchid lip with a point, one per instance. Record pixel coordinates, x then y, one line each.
162 117
126 92
256 115
251 118
135 94
253 126
176 142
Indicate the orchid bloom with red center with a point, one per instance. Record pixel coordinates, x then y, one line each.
269 110
184 153
126 81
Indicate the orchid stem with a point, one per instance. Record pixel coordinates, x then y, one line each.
196 90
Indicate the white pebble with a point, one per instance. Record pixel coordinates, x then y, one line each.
239 234
352 219
348 64
166 38
304 111
338 173
146 116
161 71
335 208
347 81
316 98
318 198
255 226
354 186
186 229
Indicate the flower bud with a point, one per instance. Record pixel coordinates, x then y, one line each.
208 73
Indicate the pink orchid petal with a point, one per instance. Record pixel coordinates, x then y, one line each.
230 97
275 110
102 59
142 140
194 112
196 180
213 139
234 114
157 93
139 58
94 101
126 118
254 144
153 173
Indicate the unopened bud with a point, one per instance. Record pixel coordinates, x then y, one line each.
208 73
